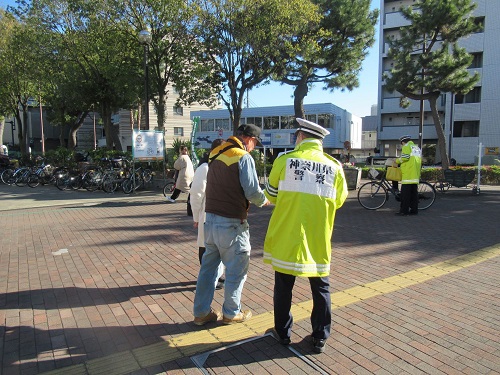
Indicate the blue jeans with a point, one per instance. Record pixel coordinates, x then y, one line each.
226 240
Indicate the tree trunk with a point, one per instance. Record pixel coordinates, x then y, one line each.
21 131
62 142
74 130
116 137
441 144
161 111
2 126
299 94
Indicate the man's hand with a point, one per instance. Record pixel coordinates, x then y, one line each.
266 203
195 224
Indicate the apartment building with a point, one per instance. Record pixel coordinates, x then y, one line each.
468 120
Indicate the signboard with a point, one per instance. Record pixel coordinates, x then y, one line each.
148 145
281 139
492 150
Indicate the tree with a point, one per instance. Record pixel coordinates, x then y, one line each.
87 38
244 37
427 58
175 55
19 85
329 51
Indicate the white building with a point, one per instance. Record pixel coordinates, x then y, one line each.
468 120
277 125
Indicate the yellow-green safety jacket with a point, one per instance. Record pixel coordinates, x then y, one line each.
307 186
411 163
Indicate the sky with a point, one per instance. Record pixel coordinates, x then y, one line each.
358 101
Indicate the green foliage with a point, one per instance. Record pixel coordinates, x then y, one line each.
427 58
173 153
328 49
175 54
244 38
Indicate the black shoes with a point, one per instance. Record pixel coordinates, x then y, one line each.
403 214
283 341
318 345
220 284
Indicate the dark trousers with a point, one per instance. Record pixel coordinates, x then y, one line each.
201 251
175 194
409 199
321 316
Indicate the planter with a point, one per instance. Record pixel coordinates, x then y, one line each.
352 177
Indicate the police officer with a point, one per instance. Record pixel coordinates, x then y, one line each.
307 186
411 162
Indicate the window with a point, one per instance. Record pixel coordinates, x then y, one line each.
178 131
477 60
178 111
255 120
480 22
473 96
222 124
326 120
287 122
271 122
311 118
465 129
207 125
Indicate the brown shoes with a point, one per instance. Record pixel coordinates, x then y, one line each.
212 316
241 317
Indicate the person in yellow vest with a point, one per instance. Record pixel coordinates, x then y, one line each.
307 186
411 163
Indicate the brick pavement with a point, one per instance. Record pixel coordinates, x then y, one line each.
126 283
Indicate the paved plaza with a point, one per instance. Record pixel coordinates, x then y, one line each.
96 283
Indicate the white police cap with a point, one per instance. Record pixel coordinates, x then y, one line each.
405 138
312 128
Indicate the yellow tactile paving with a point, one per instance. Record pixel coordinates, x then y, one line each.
209 339
115 364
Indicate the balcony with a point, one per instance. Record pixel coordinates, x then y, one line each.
391 105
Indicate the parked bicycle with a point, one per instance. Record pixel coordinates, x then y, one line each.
374 194
117 173
138 179
42 175
19 176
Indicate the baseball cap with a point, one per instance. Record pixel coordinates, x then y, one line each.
251 130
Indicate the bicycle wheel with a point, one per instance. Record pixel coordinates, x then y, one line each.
147 175
33 180
7 176
426 195
46 177
127 186
372 195
94 181
109 183
22 179
168 188
62 182
441 186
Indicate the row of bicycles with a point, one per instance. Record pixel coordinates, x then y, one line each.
108 175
